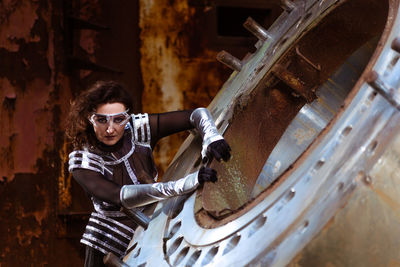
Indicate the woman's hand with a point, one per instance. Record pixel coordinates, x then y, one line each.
219 150
207 174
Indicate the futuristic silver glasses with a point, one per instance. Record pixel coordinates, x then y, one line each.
106 120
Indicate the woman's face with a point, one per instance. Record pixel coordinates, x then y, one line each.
109 122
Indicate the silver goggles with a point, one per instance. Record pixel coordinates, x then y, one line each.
106 120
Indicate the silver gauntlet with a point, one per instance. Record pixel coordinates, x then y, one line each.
202 120
139 195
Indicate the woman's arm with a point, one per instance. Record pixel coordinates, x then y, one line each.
165 124
131 196
95 184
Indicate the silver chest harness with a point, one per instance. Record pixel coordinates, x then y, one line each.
103 231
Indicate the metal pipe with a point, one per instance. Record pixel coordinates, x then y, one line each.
252 26
287 5
376 82
229 60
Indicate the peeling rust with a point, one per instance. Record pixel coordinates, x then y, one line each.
298 73
43 210
297 85
18 19
176 64
64 182
260 133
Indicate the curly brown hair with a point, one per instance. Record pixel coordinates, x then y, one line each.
78 128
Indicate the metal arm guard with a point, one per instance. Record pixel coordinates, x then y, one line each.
139 195
202 120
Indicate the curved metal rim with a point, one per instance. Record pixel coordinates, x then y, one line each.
352 142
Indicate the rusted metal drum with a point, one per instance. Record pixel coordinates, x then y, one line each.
312 118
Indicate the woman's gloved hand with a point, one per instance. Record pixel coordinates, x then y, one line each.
207 174
219 150
214 144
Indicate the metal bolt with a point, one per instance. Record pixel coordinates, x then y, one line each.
229 60
288 5
252 26
376 82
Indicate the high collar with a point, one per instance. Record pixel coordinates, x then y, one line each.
107 148
113 148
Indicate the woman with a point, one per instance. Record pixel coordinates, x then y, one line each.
112 160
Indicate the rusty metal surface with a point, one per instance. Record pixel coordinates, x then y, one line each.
261 119
43 211
49 52
33 91
176 61
249 130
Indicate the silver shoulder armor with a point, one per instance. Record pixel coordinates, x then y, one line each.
141 129
83 159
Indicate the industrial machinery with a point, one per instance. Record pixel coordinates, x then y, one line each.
311 117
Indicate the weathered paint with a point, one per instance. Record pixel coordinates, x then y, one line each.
280 96
174 79
44 210
33 95
18 19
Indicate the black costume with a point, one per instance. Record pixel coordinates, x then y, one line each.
107 173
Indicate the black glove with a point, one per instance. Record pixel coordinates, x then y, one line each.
218 149
207 174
